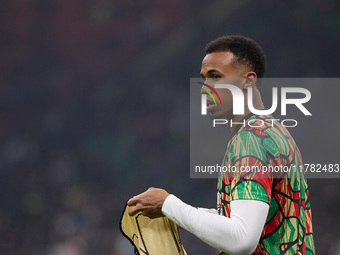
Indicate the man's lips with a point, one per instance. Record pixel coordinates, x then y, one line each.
210 105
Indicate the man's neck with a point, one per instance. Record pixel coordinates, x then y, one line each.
257 103
236 119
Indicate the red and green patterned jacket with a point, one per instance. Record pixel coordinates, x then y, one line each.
253 151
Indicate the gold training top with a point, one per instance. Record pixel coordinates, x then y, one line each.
151 236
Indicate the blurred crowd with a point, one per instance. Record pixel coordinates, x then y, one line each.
94 109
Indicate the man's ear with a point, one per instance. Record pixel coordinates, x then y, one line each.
250 80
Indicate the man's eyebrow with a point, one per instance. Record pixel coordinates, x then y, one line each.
211 71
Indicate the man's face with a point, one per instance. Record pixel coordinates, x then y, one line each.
219 67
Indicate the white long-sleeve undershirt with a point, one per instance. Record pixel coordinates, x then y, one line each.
237 235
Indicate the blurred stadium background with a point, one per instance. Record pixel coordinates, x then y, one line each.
94 109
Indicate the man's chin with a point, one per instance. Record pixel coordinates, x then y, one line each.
218 115
215 115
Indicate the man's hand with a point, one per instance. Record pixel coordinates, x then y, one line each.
149 203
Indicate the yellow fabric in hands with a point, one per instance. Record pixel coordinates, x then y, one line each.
151 236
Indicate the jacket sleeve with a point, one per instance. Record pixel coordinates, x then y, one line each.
236 235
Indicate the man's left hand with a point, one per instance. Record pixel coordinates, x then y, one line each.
149 203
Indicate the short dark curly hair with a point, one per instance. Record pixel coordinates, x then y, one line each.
246 51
